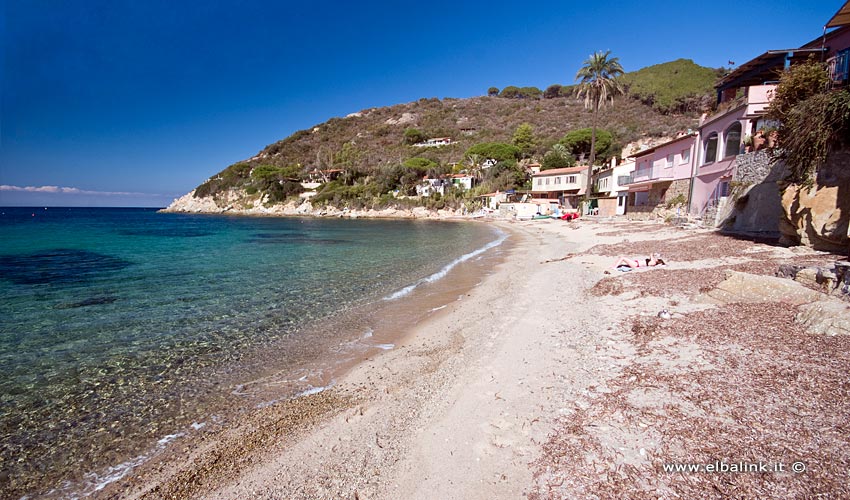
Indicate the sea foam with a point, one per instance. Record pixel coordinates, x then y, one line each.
447 268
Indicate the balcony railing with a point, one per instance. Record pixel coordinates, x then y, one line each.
649 174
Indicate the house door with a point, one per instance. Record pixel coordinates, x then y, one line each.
621 204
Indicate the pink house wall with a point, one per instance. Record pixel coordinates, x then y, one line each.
683 156
709 175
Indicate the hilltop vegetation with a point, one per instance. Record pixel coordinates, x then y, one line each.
679 86
380 150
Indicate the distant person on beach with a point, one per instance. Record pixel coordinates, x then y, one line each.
652 261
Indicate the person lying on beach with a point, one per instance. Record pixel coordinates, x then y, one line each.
652 261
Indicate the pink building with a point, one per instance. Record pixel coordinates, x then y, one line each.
662 176
743 97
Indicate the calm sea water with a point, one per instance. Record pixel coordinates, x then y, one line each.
124 328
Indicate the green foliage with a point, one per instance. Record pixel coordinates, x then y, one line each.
498 151
556 90
599 79
505 175
266 173
552 91
673 87
421 165
493 91
814 120
512 92
578 142
348 156
524 138
232 176
797 84
280 191
414 136
557 157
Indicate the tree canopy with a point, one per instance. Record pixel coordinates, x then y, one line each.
578 142
524 138
498 151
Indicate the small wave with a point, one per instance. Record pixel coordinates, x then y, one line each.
385 347
448 267
169 438
369 332
306 392
438 308
96 482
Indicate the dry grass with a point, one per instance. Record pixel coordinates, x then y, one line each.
694 247
761 390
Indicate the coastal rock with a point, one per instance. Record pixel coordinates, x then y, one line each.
825 317
744 287
188 203
818 312
819 216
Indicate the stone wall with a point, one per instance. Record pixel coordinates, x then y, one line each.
659 197
755 199
753 168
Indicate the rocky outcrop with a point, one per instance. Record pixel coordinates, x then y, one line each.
819 215
817 311
238 203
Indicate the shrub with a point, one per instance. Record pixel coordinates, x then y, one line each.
814 120
413 136
498 151
578 142
554 159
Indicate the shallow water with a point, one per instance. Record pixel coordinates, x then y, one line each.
121 328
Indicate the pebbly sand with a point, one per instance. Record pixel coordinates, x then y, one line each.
553 379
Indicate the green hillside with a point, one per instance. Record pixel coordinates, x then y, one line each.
377 152
673 87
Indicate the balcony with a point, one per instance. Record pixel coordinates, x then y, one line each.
649 174
758 98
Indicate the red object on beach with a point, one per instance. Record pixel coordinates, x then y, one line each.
570 216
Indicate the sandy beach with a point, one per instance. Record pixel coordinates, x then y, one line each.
554 377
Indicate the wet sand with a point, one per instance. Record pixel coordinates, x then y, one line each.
543 380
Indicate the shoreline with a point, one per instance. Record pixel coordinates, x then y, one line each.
371 330
487 396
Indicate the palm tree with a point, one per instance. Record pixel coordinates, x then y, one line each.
598 83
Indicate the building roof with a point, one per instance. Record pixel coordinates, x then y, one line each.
560 171
841 18
658 146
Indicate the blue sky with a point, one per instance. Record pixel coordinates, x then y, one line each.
133 103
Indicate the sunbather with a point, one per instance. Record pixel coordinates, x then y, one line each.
652 261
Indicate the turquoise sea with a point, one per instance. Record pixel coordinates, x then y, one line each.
122 330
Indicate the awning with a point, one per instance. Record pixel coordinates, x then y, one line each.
841 18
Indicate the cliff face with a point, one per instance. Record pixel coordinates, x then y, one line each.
819 215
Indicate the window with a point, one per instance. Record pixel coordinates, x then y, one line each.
733 140
539 182
547 181
669 161
711 149
686 156
557 180
571 179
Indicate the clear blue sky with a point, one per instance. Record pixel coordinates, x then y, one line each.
132 103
